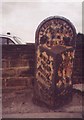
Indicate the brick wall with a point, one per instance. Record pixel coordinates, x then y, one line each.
18 63
78 66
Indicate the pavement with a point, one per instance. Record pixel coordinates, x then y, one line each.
45 115
17 103
0 101
79 87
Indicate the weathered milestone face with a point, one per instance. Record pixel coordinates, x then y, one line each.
46 64
56 31
65 69
51 32
44 68
55 38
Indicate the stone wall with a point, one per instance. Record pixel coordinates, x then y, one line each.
18 64
78 66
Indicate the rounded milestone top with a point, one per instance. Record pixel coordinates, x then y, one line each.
55 30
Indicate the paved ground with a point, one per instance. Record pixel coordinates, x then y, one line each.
17 103
0 102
